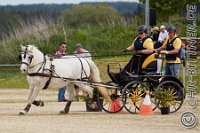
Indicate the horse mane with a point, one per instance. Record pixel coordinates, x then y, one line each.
32 49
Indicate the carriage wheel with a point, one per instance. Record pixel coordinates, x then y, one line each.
133 96
177 91
115 105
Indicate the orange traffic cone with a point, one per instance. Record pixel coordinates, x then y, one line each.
115 106
146 108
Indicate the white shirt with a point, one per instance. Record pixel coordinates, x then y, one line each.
162 36
84 54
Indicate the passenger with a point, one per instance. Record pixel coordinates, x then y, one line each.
172 46
83 53
61 52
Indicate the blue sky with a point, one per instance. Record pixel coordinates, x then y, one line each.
17 2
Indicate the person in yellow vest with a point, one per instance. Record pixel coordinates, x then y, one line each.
143 58
143 45
172 46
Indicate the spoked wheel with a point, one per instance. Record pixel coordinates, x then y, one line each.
177 91
115 105
133 96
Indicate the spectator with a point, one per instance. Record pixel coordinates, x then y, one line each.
61 52
155 33
163 34
162 37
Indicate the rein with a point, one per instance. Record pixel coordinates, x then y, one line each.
36 64
50 73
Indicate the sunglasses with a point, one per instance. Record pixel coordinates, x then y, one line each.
64 46
140 33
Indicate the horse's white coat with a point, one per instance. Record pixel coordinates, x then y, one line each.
67 66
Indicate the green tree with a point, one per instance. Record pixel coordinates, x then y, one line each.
87 15
167 8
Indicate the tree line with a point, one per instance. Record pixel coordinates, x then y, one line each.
99 27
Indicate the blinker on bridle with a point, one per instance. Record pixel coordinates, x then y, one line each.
25 54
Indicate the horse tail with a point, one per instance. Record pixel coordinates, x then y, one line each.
95 76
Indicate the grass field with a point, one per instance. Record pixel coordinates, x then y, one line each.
10 77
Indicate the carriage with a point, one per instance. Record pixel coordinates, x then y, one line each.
127 90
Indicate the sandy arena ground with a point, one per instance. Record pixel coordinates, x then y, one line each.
47 120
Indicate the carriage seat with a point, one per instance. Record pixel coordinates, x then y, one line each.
149 71
115 77
149 66
123 78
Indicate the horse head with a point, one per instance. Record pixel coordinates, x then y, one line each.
26 57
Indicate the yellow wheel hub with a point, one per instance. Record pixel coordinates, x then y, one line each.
136 96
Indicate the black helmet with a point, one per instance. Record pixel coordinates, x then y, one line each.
142 29
171 29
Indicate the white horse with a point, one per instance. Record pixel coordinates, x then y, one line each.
45 72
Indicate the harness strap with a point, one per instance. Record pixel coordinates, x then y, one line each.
82 69
43 74
25 63
47 84
39 74
51 74
51 70
43 64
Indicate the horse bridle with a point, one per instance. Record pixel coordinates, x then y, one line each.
30 57
25 54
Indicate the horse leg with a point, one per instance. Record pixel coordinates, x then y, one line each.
90 92
66 109
87 89
28 106
36 103
31 99
70 90
31 89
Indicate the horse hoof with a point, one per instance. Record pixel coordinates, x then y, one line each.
22 113
41 104
63 112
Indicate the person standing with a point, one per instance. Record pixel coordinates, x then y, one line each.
161 38
62 51
155 33
172 46
163 34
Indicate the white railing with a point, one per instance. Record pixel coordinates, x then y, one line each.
10 65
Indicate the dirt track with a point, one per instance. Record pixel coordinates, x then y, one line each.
47 120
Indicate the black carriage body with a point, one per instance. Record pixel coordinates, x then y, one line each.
131 83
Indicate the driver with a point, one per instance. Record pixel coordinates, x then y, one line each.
143 45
